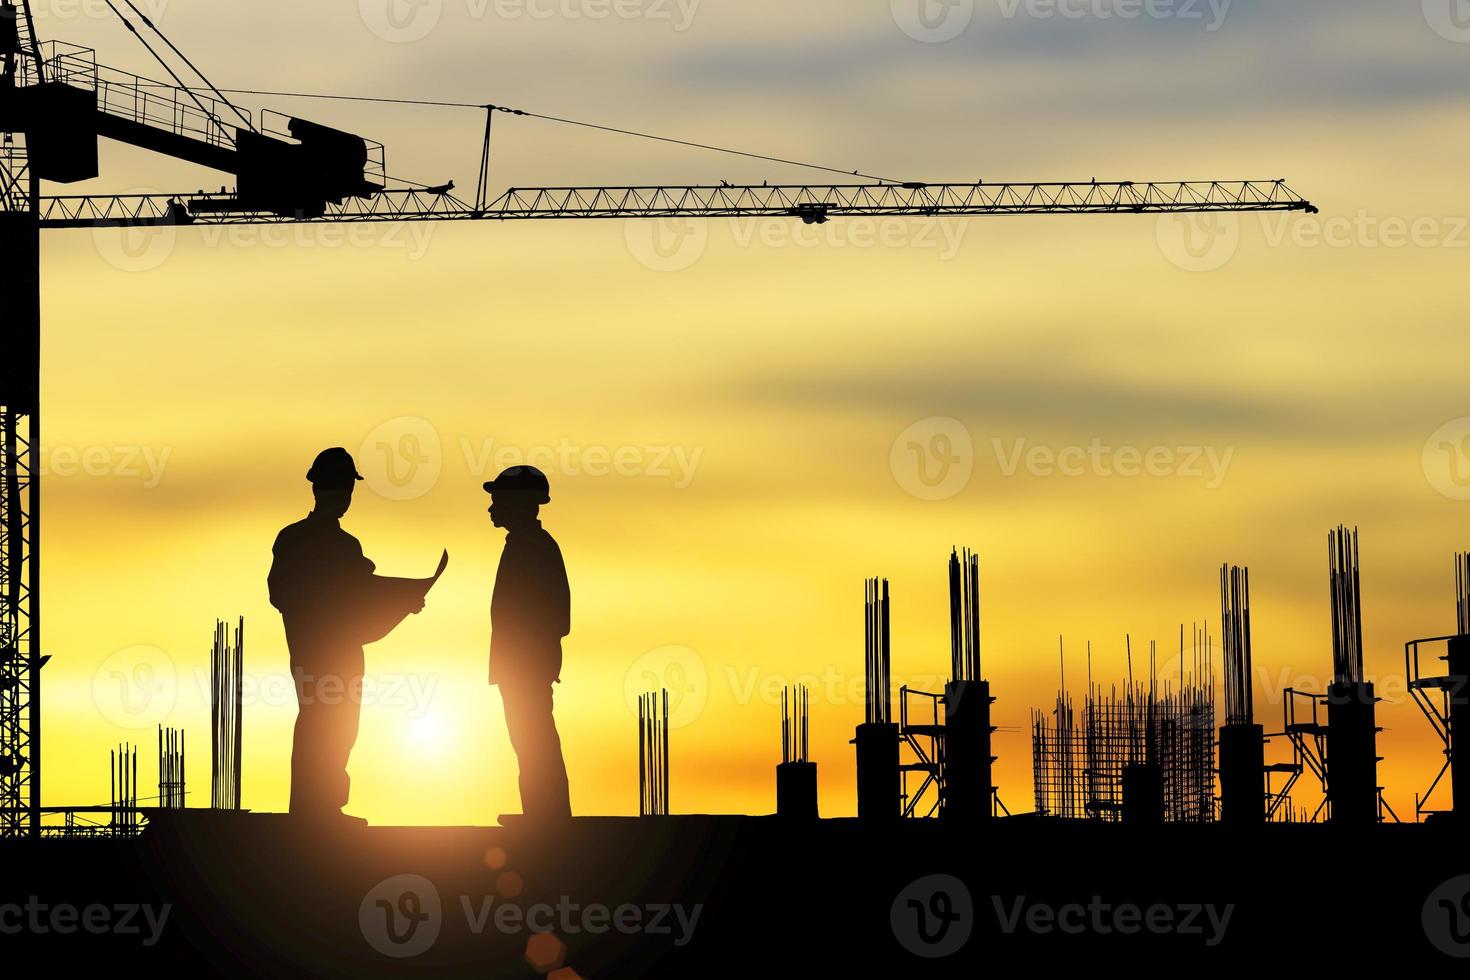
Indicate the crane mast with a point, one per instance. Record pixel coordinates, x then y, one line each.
55 104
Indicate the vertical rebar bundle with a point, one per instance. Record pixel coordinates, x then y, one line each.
1462 593
124 786
226 672
876 649
964 616
794 727
1235 616
170 767
653 754
796 776
1347 609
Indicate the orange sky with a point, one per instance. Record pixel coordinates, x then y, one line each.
727 410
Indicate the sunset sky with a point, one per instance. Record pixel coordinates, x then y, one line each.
742 420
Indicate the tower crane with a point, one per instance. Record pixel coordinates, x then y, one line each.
56 102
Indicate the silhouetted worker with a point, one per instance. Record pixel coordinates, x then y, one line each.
529 614
332 604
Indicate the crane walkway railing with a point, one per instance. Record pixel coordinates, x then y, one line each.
134 98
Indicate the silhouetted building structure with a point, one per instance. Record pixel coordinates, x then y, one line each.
1242 741
879 786
968 789
1445 700
1143 754
1352 759
796 776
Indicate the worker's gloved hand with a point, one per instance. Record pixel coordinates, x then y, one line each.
416 604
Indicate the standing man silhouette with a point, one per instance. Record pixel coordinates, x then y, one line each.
529 614
331 603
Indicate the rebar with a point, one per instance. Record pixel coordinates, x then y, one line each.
226 671
964 616
794 730
1347 609
876 650
170 767
1462 592
1077 770
1235 617
653 754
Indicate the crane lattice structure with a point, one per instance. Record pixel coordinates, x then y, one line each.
55 104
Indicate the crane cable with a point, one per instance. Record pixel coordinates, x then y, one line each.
567 122
159 58
192 67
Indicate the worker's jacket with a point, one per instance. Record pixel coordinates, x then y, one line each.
329 598
530 610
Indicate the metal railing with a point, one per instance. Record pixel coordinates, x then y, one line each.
136 98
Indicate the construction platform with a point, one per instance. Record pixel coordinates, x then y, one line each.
261 894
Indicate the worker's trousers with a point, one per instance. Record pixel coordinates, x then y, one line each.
329 702
533 736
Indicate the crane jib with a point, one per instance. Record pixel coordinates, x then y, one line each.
810 203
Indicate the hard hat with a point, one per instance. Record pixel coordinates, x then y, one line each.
333 469
527 480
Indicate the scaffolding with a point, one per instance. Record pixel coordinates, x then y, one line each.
1079 771
1444 698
